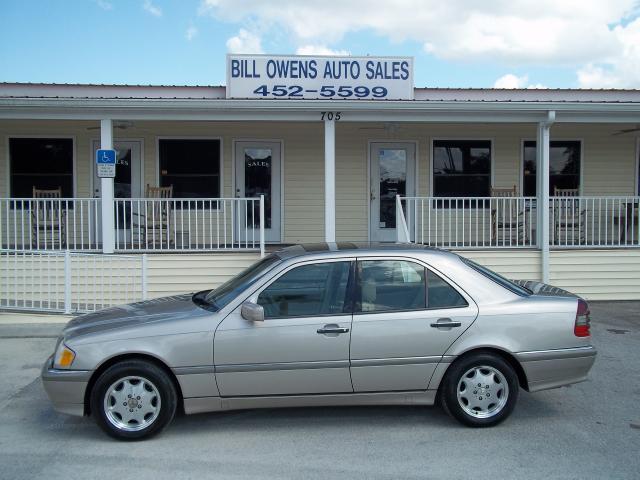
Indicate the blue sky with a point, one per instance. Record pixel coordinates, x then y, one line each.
459 43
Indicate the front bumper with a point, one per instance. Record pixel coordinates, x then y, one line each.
554 368
65 388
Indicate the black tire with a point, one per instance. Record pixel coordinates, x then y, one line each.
164 403
502 406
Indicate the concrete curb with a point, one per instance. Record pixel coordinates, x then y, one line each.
14 318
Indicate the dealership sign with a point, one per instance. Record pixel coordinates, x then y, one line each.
319 77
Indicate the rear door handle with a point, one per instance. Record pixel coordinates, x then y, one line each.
332 328
446 323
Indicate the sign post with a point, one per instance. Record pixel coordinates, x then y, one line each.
106 169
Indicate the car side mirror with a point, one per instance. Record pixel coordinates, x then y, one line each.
252 312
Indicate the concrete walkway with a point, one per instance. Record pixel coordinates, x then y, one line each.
15 318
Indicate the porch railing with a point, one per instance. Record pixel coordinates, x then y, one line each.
29 224
189 224
140 225
579 222
511 222
470 222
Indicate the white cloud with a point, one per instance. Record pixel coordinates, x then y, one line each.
320 50
571 33
191 32
621 70
244 42
513 81
104 4
510 81
151 8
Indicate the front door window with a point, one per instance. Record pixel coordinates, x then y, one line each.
258 163
257 172
392 166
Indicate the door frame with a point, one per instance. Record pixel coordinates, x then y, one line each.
279 141
92 162
370 143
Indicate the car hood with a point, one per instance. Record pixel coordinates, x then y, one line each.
174 309
544 289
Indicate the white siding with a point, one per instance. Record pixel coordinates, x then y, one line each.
170 274
514 264
597 274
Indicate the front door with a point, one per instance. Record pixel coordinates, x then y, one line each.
258 173
301 347
392 173
126 184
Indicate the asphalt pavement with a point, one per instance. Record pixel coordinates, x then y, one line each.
582 431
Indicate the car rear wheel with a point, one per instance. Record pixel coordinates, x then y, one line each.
480 390
133 400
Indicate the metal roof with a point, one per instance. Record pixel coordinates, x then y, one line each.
20 90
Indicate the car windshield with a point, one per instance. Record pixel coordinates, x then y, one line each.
221 296
499 279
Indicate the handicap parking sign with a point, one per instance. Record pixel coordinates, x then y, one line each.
106 163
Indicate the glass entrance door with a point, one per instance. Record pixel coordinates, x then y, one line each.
126 184
392 167
258 173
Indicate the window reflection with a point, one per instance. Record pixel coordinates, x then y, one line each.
393 182
564 166
258 164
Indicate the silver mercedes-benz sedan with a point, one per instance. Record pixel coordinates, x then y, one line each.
326 324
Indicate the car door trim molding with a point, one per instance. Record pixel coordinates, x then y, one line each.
557 354
263 367
193 370
380 362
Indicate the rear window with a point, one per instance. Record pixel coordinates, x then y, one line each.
497 278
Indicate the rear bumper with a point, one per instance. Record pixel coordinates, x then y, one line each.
65 388
554 368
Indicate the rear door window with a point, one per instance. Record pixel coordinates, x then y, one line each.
442 295
390 285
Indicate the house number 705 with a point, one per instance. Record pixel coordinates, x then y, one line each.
330 116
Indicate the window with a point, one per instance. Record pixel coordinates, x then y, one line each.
191 166
564 166
43 163
442 295
461 168
308 290
391 285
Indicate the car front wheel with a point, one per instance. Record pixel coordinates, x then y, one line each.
133 400
480 390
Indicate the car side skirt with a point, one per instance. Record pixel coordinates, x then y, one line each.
213 404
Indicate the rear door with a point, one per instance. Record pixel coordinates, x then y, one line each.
405 318
302 346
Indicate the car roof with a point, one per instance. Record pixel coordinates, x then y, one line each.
358 248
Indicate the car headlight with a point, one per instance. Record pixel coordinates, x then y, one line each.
63 357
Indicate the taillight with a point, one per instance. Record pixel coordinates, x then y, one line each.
583 321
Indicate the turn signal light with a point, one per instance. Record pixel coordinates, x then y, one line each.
65 358
582 327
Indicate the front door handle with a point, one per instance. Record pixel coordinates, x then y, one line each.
332 328
446 323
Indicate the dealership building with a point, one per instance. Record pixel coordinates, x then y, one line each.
538 184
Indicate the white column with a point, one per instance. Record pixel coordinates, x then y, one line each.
330 180
106 184
542 183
